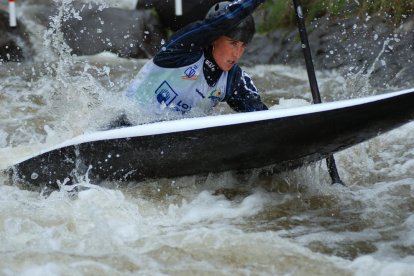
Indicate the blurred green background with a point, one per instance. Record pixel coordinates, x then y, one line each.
276 14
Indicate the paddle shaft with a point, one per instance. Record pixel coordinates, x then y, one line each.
330 160
12 14
178 7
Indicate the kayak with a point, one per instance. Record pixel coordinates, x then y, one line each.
282 138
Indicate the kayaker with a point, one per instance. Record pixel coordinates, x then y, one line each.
197 67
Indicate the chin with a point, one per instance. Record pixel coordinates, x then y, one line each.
227 68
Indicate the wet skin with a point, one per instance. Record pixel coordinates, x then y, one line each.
227 52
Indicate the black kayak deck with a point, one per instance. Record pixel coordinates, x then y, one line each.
284 138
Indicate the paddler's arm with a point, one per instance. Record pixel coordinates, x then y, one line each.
187 44
242 94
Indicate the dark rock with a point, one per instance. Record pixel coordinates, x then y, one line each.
14 42
128 33
192 10
278 47
372 47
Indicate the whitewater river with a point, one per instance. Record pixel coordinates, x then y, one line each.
295 223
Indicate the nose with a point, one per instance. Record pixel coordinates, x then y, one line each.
238 51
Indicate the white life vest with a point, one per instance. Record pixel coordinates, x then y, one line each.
181 89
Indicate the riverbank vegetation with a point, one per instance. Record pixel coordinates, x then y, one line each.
279 13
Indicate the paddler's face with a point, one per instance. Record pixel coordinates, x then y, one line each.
227 52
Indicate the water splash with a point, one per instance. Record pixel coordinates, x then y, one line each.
77 96
360 81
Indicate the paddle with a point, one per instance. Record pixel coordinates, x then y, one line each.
12 14
330 161
178 7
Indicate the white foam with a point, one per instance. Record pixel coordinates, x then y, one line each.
207 207
368 265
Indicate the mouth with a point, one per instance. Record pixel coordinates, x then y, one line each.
231 63
227 65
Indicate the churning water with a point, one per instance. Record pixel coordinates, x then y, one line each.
293 223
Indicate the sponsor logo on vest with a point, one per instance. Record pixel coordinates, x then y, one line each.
215 94
199 93
190 73
165 93
210 64
183 106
